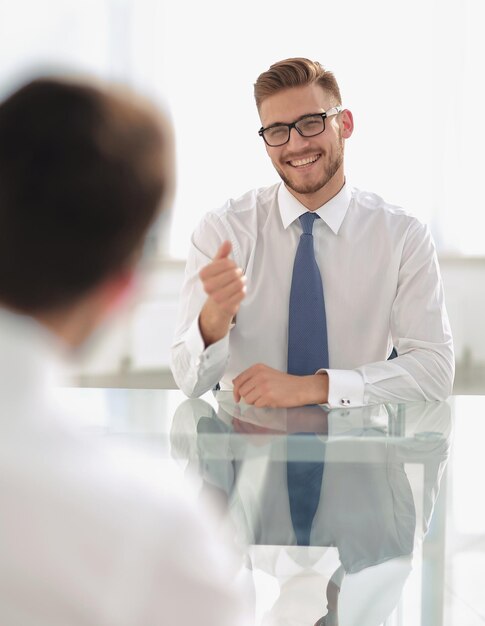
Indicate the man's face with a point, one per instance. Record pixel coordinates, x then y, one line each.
306 164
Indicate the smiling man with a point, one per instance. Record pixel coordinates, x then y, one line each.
299 293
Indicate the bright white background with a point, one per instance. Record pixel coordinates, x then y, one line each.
411 72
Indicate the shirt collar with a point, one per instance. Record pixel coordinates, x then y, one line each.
332 212
30 353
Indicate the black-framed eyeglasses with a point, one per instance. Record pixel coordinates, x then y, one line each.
307 126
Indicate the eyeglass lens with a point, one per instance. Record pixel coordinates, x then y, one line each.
307 127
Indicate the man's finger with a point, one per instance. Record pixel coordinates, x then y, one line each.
240 380
251 396
218 267
242 377
223 251
218 282
225 293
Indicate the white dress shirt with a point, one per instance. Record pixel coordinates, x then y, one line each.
92 534
382 289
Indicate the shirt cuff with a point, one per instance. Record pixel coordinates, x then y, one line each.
345 388
215 353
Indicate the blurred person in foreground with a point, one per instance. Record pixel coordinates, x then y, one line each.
299 292
86 536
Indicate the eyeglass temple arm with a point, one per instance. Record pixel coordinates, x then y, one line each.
334 110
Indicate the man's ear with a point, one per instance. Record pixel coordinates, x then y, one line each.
114 291
347 123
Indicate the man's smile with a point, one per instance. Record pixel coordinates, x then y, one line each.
305 162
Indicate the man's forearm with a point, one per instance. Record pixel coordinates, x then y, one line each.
264 386
214 324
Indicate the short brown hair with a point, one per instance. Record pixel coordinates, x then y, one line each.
83 169
296 72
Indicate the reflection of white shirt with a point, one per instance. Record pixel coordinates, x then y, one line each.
91 534
366 508
363 469
382 289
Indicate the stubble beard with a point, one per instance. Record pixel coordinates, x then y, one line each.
330 168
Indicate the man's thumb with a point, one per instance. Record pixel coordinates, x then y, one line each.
224 250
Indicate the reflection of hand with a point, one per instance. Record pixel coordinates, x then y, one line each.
307 419
264 386
225 286
274 420
304 419
249 428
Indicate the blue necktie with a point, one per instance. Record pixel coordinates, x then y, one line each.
307 323
307 352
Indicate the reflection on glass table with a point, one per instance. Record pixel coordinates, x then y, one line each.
332 506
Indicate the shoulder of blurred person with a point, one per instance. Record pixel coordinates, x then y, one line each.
93 531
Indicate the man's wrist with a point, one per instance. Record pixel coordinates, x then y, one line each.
213 325
317 389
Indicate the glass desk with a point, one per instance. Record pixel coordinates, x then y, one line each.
351 516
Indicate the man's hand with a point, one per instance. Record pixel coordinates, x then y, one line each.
225 286
262 386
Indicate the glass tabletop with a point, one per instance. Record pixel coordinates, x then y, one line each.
344 516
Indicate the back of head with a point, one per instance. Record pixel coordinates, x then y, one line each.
83 171
297 72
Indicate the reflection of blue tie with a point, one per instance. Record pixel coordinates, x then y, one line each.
307 324
304 479
307 352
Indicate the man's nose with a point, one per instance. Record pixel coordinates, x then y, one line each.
296 139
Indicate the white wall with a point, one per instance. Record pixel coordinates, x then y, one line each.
464 283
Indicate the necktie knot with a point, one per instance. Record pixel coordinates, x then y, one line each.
307 220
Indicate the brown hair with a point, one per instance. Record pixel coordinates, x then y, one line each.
296 72
83 170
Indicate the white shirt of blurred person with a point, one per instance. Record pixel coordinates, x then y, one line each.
378 265
87 537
